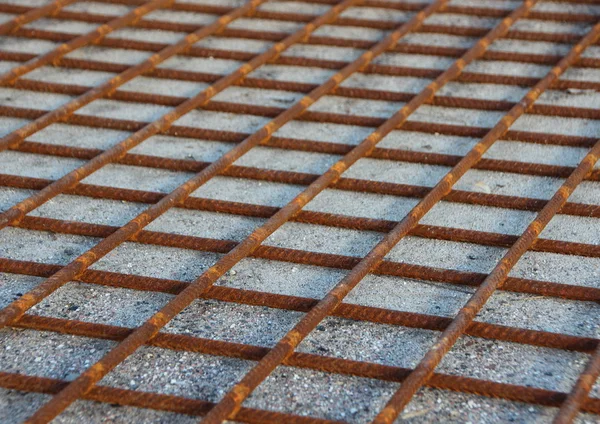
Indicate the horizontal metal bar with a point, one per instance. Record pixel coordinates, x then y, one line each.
387 267
351 92
303 304
147 400
411 6
389 70
412 48
302 178
30 14
79 41
303 360
318 218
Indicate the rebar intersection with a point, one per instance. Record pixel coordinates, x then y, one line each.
284 352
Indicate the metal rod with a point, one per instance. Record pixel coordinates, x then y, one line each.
86 380
8 78
315 362
160 402
231 402
389 70
525 34
580 391
410 48
466 314
315 116
229 136
32 14
302 304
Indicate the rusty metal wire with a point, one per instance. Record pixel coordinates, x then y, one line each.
316 310
94 36
86 380
31 14
576 399
345 21
433 357
230 404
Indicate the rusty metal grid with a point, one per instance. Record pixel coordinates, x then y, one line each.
417 18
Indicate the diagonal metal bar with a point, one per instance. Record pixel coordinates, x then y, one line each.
9 78
87 380
496 278
499 274
33 14
581 390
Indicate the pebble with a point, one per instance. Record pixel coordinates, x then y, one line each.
483 187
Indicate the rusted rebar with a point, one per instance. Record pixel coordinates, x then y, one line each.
79 272
148 329
389 268
91 37
316 116
412 6
220 135
32 14
228 406
17 212
160 402
580 391
484 238
523 34
390 70
302 304
432 358
315 362
326 40
13 139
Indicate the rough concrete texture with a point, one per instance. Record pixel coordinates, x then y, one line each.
294 390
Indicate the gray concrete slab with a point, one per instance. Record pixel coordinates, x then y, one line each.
295 390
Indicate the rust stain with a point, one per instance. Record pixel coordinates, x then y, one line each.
267 359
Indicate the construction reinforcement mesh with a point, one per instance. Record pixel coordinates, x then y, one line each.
306 211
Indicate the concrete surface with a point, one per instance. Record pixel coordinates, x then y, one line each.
288 389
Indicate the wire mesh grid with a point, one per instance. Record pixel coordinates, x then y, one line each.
299 211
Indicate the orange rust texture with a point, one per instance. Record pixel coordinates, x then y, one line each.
332 304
